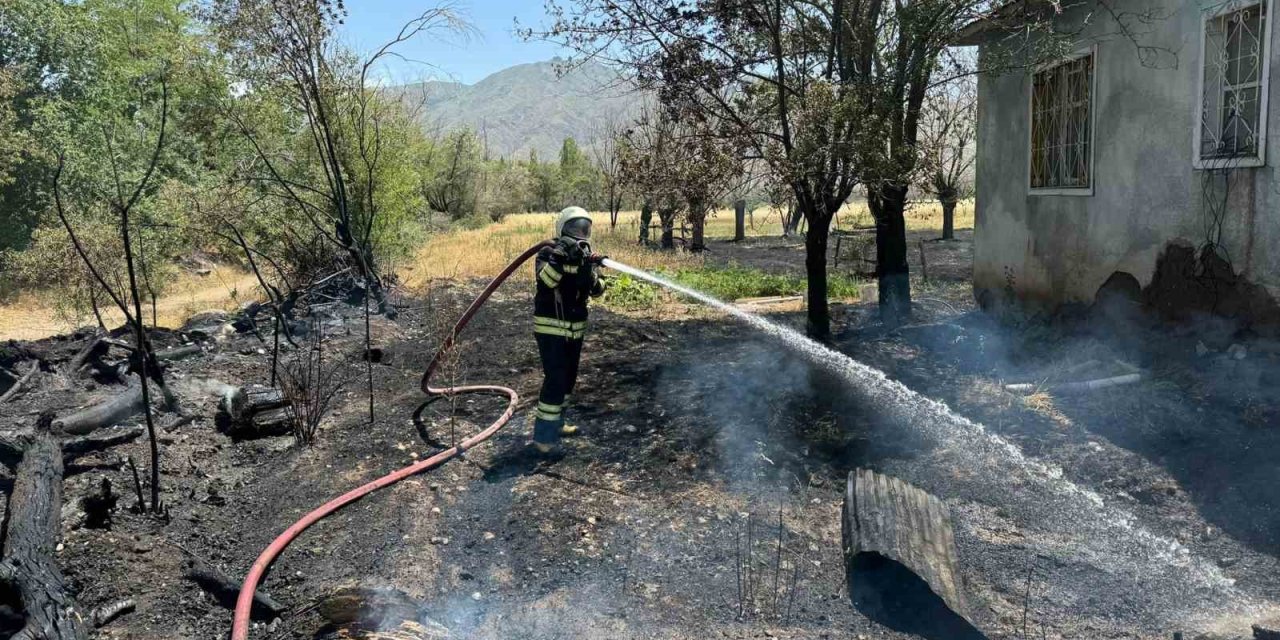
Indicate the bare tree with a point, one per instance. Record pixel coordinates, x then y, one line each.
948 132
121 202
606 157
682 165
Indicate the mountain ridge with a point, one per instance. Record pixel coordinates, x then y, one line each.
529 107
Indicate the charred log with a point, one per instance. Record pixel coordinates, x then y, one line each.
18 386
106 613
32 529
93 352
14 443
225 591
76 447
104 414
900 558
253 412
178 353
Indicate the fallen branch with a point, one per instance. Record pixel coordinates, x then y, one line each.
75 447
106 613
1073 387
103 414
225 591
178 353
17 386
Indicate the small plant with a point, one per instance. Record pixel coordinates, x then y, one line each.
735 283
309 384
626 292
765 584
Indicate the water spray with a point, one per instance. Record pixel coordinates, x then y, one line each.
1108 537
1058 500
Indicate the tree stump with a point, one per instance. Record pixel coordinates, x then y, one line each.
253 412
900 557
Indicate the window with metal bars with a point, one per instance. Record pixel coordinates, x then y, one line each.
1062 125
1233 92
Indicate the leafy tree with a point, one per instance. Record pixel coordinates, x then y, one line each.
506 189
451 169
286 50
547 186
828 93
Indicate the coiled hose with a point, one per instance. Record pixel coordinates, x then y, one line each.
240 623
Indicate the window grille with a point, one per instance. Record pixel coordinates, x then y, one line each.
1062 125
1231 118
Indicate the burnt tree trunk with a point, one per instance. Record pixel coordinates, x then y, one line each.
646 219
791 221
887 204
818 321
248 413
31 531
900 558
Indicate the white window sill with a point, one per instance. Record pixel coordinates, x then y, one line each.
1073 191
1230 163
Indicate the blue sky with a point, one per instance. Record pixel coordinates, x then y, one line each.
492 48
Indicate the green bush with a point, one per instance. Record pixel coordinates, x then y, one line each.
626 292
736 282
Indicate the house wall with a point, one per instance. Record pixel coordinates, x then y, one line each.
1057 249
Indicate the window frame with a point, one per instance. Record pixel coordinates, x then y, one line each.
1258 159
1084 52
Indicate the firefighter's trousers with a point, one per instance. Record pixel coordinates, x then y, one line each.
560 356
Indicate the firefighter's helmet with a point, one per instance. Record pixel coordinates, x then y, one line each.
574 222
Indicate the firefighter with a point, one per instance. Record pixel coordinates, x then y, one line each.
567 275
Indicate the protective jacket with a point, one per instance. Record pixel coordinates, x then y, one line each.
564 286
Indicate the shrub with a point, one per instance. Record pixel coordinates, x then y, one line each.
626 292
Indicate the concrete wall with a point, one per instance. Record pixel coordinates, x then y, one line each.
1056 249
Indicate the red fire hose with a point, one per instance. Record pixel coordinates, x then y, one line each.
240 624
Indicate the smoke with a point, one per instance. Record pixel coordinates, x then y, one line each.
1104 545
743 397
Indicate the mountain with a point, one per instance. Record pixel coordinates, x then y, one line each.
528 107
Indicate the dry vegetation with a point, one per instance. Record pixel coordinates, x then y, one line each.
463 253
483 252
31 316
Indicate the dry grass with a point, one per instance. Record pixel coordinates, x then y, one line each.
456 254
33 316
483 252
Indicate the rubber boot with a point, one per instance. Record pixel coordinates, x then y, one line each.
546 433
566 429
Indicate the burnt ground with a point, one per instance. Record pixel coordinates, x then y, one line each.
695 431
